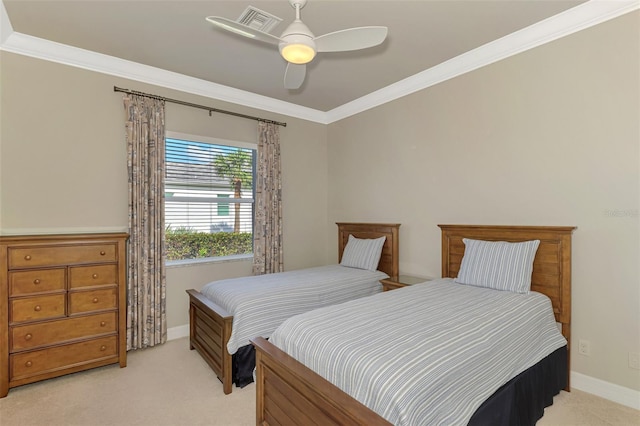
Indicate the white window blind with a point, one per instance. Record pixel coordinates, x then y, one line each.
208 188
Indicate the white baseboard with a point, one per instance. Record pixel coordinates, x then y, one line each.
178 332
606 390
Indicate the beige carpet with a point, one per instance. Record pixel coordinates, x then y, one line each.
171 385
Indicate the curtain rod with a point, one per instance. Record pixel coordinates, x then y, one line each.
210 109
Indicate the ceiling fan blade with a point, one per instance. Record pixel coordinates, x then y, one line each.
243 30
294 75
351 39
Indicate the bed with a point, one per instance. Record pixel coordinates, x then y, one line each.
214 329
288 392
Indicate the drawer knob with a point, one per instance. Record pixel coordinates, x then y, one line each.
103 348
27 257
28 364
36 281
102 253
102 323
95 276
28 336
37 308
95 300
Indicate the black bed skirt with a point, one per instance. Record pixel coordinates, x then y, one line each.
522 400
243 362
519 402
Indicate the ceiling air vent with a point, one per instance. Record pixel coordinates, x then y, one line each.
258 19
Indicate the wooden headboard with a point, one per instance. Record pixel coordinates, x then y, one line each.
389 260
551 266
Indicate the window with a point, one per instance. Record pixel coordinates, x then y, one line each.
223 208
208 197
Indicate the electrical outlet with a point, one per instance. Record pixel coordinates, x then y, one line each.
584 347
634 360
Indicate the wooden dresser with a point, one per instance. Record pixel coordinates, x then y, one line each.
62 305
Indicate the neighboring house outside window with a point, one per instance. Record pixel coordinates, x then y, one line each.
208 197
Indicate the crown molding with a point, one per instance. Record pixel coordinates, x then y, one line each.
573 20
583 16
5 24
47 50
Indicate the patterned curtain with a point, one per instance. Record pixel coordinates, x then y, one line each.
146 281
267 227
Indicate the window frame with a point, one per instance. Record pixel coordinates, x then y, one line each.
213 141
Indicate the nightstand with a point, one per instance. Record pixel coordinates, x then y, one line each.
401 281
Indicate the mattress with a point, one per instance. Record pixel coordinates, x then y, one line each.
430 353
261 303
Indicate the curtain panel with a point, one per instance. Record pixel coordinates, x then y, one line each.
267 227
146 281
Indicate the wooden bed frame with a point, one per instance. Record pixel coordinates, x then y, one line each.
210 325
290 393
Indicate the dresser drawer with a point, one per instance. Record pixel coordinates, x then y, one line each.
36 308
27 364
38 281
95 300
29 257
85 276
52 332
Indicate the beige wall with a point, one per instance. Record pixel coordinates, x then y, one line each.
63 164
548 137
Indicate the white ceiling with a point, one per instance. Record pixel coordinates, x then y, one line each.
428 41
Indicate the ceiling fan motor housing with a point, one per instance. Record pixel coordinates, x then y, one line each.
296 43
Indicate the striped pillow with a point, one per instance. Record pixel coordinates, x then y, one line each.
362 253
498 264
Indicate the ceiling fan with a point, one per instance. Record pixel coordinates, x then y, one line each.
298 46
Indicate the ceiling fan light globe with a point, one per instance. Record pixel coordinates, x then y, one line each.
297 48
298 53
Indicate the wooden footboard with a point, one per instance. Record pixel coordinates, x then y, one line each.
290 393
210 329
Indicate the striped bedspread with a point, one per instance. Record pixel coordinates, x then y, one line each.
261 303
428 354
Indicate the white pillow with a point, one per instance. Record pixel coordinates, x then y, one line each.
362 253
498 264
